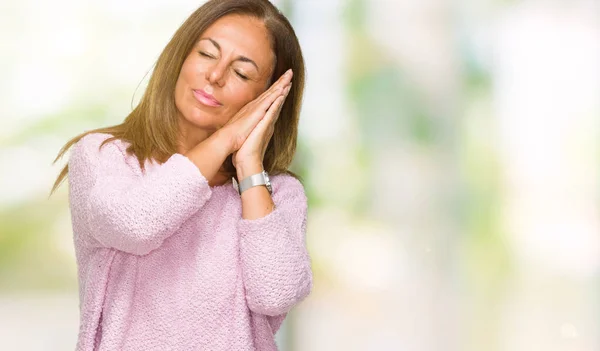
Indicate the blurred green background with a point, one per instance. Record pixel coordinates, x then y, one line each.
450 153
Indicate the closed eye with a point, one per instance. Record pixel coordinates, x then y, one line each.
202 53
241 75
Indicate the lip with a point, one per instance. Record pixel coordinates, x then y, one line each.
206 99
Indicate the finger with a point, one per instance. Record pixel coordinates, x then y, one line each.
263 130
264 123
268 102
262 113
278 87
273 112
260 107
283 81
278 104
278 112
260 104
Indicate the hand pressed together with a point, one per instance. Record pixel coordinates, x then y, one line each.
251 129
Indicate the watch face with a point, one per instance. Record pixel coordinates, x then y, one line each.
267 181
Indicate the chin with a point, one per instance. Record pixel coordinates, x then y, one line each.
201 120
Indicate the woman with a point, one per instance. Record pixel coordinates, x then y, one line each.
170 255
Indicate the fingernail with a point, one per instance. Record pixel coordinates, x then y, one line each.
289 72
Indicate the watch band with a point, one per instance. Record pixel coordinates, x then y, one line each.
257 179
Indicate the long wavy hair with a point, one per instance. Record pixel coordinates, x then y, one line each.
152 130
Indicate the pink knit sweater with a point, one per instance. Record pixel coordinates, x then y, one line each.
166 262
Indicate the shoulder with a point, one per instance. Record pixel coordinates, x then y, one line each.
92 148
94 141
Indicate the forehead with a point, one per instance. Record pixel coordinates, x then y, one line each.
243 35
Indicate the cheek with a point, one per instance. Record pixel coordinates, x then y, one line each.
190 71
239 95
183 81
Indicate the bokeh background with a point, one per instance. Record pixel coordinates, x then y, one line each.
450 151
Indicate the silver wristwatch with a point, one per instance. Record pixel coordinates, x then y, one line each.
261 178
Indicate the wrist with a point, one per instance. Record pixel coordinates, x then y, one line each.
223 141
247 169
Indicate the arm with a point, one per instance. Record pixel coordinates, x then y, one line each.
125 210
275 263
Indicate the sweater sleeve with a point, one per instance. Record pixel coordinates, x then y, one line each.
125 209
275 263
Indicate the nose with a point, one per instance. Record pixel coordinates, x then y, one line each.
215 74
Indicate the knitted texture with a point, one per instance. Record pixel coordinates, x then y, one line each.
166 262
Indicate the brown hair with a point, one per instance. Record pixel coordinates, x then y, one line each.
151 128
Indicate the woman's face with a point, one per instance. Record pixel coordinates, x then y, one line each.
229 66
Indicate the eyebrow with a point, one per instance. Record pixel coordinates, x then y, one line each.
239 58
